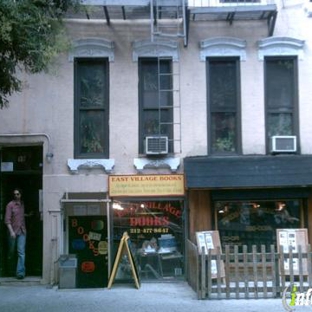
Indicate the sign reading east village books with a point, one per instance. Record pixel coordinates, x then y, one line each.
146 185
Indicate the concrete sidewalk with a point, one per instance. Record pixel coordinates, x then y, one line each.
150 297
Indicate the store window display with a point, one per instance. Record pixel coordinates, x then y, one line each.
155 229
255 222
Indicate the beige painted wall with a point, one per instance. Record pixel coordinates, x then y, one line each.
46 106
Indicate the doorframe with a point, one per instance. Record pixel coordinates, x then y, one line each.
13 171
67 204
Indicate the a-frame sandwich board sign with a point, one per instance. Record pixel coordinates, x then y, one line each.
125 248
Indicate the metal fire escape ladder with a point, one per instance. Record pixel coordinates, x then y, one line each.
174 124
169 19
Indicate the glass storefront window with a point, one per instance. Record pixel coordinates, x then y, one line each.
156 232
255 222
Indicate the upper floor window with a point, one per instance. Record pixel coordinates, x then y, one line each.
155 101
91 108
223 105
281 96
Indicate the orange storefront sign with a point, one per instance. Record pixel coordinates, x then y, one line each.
146 185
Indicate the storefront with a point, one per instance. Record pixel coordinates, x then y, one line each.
247 199
150 209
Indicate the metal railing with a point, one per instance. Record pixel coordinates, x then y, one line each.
218 3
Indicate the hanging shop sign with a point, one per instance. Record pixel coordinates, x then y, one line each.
146 185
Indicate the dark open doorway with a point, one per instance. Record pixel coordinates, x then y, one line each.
21 166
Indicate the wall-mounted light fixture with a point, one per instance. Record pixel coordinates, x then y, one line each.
49 157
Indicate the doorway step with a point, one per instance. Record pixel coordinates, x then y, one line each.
27 281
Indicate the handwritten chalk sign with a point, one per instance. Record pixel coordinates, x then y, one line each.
125 247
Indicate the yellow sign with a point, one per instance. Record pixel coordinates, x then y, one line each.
146 185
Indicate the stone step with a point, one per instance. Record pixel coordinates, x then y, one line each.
27 281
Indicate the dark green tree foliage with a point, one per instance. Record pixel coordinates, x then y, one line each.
31 35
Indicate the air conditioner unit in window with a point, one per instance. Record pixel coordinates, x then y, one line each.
284 144
156 145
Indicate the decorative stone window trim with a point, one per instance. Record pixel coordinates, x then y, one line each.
280 46
157 48
75 164
92 47
308 8
223 46
172 163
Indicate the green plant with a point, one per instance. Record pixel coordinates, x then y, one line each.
91 140
31 36
225 144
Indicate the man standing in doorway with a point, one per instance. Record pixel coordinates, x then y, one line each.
15 221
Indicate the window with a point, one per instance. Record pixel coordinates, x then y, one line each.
156 230
223 103
155 100
281 96
255 222
91 108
